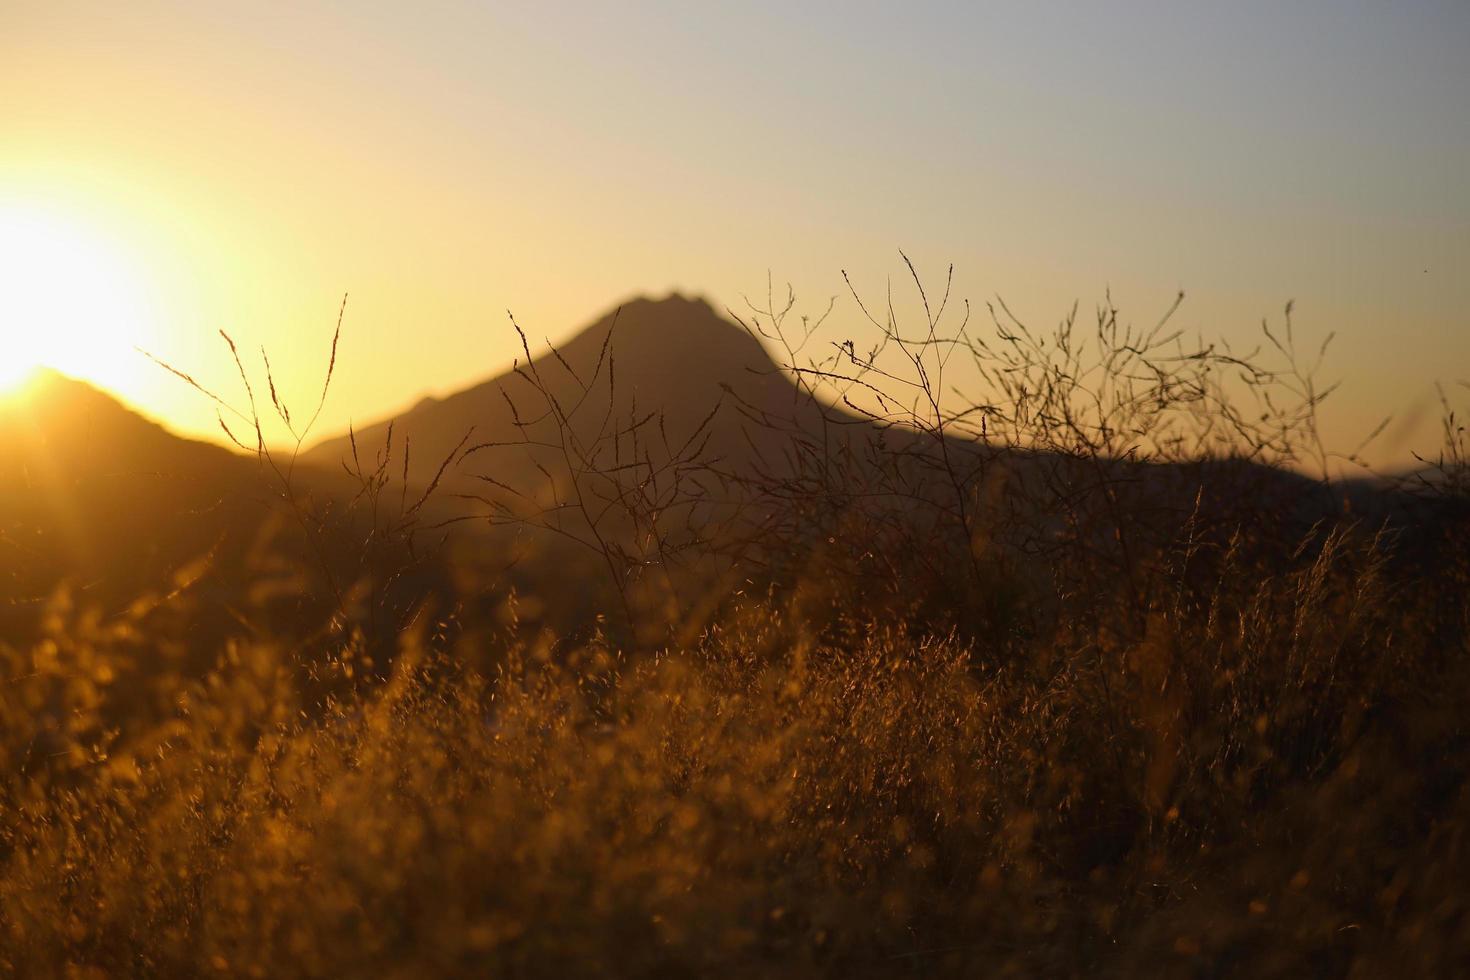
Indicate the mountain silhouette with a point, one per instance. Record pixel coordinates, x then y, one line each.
93 492
676 357
775 475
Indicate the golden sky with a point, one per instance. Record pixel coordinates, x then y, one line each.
170 169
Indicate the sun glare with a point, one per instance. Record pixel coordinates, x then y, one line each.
70 299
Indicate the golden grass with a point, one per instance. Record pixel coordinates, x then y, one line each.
1271 784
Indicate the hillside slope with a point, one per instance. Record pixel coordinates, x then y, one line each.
674 356
92 491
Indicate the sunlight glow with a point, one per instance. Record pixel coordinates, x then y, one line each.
70 299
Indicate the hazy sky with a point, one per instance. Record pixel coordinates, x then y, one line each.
242 165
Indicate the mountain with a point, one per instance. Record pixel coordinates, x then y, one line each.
792 472
678 358
678 421
95 494
675 356
125 512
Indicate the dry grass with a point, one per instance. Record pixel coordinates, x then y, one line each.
1274 784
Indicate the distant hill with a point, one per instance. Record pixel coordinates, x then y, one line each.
119 509
779 468
675 355
679 357
96 495
92 491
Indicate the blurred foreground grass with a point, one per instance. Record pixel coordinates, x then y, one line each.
1271 782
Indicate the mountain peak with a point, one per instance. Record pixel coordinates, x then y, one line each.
47 393
674 299
642 312
674 354
674 333
75 423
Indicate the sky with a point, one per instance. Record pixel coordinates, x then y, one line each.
168 170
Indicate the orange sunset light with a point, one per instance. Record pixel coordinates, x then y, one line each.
71 298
